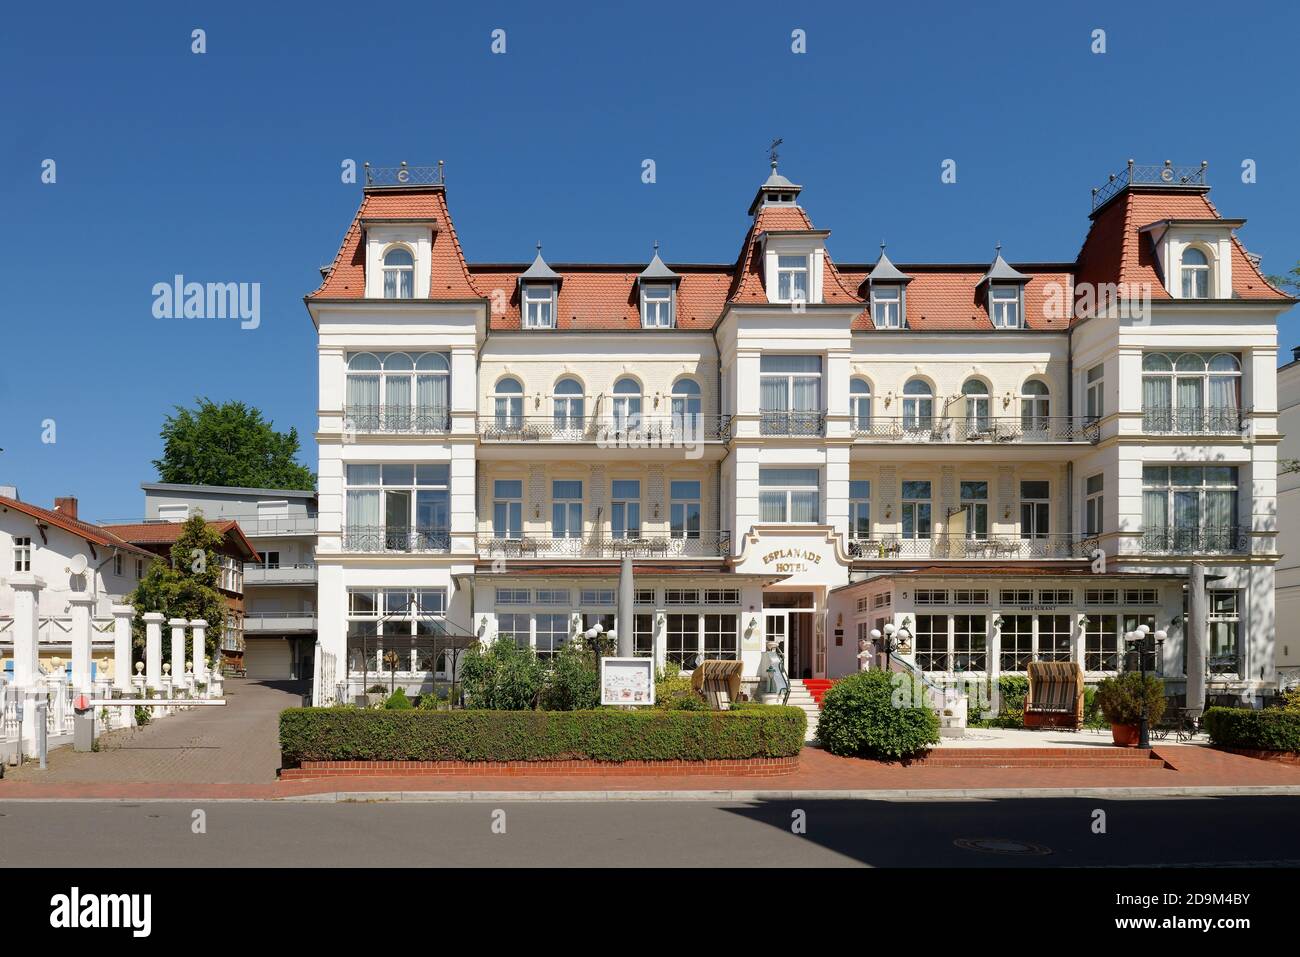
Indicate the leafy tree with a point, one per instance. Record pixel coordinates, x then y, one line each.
185 587
502 676
229 445
1289 281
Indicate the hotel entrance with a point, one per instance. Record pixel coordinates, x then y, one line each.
789 620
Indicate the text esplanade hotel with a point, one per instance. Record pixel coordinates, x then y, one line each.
1007 461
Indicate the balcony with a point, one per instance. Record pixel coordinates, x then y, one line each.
278 622
1210 540
705 545
782 422
274 527
605 431
394 538
1193 421
300 574
372 419
989 430
991 548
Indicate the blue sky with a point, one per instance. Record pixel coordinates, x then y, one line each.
225 166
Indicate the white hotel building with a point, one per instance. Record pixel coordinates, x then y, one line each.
800 450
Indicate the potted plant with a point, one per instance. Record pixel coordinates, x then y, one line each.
1120 700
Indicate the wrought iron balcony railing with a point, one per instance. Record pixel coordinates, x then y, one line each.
404 175
990 548
1216 539
989 429
703 544
780 422
1166 174
394 538
1193 421
396 418
607 431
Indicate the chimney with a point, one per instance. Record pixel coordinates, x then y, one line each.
67 505
1295 356
10 491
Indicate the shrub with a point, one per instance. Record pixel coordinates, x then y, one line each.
862 718
430 700
143 715
398 701
573 680
501 676
1291 699
339 734
673 691
376 689
1273 729
1120 698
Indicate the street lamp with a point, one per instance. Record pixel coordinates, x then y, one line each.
1139 637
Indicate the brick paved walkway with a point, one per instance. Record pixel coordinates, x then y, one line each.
237 744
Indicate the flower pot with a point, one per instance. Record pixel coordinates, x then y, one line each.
1124 735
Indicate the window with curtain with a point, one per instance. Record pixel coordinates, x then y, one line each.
887 306
399 274
508 508
860 404
859 509
1190 508
686 408
627 405
791 278
978 406
508 404
916 509
569 406
1191 392
1094 393
398 391
1004 306
1035 407
1195 268
1035 509
790 400
918 406
625 508
975 503
789 495
397 507
566 508
657 306
684 509
1093 504
539 306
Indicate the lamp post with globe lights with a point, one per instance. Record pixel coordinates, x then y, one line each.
1138 637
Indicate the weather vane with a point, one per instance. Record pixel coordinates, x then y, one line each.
772 153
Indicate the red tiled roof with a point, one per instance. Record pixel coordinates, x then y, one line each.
949 297
1117 251
449 276
96 534
166 533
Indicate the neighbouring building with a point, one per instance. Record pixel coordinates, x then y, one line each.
1003 460
1288 535
158 535
279 620
53 555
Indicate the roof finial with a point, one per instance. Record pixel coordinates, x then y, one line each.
882 247
773 155
998 249
539 247
656 247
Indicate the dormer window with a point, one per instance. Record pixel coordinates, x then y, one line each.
1004 305
791 278
1195 274
399 273
887 307
539 306
657 306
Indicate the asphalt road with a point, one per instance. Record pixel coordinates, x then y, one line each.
1031 833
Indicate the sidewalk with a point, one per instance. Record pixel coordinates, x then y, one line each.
1194 770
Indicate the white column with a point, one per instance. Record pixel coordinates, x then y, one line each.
198 630
178 626
123 615
27 602
81 607
153 649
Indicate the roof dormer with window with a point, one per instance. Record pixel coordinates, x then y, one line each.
398 257
657 285
1195 256
539 292
887 285
1004 292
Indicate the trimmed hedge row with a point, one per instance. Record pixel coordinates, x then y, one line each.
1272 729
356 734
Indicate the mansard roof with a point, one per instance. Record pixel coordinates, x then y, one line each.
940 297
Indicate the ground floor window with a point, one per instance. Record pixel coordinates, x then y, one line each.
1224 625
695 635
643 636
1017 642
932 642
552 633
683 639
1101 643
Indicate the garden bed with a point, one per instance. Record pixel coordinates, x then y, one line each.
706 741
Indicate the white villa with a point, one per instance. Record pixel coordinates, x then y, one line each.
1005 460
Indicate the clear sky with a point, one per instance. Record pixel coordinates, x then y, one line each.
225 166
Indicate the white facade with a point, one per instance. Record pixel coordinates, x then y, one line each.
780 469
1288 538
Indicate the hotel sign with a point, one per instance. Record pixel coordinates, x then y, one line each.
791 560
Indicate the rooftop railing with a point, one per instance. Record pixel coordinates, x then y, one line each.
404 175
1165 174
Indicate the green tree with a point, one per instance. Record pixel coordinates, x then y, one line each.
1288 281
229 445
185 587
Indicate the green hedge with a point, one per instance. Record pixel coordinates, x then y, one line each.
1273 729
355 734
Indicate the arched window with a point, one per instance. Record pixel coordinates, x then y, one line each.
978 408
397 392
918 406
1191 392
686 407
860 405
509 404
627 404
1035 406
1196 274
399 273
569 405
